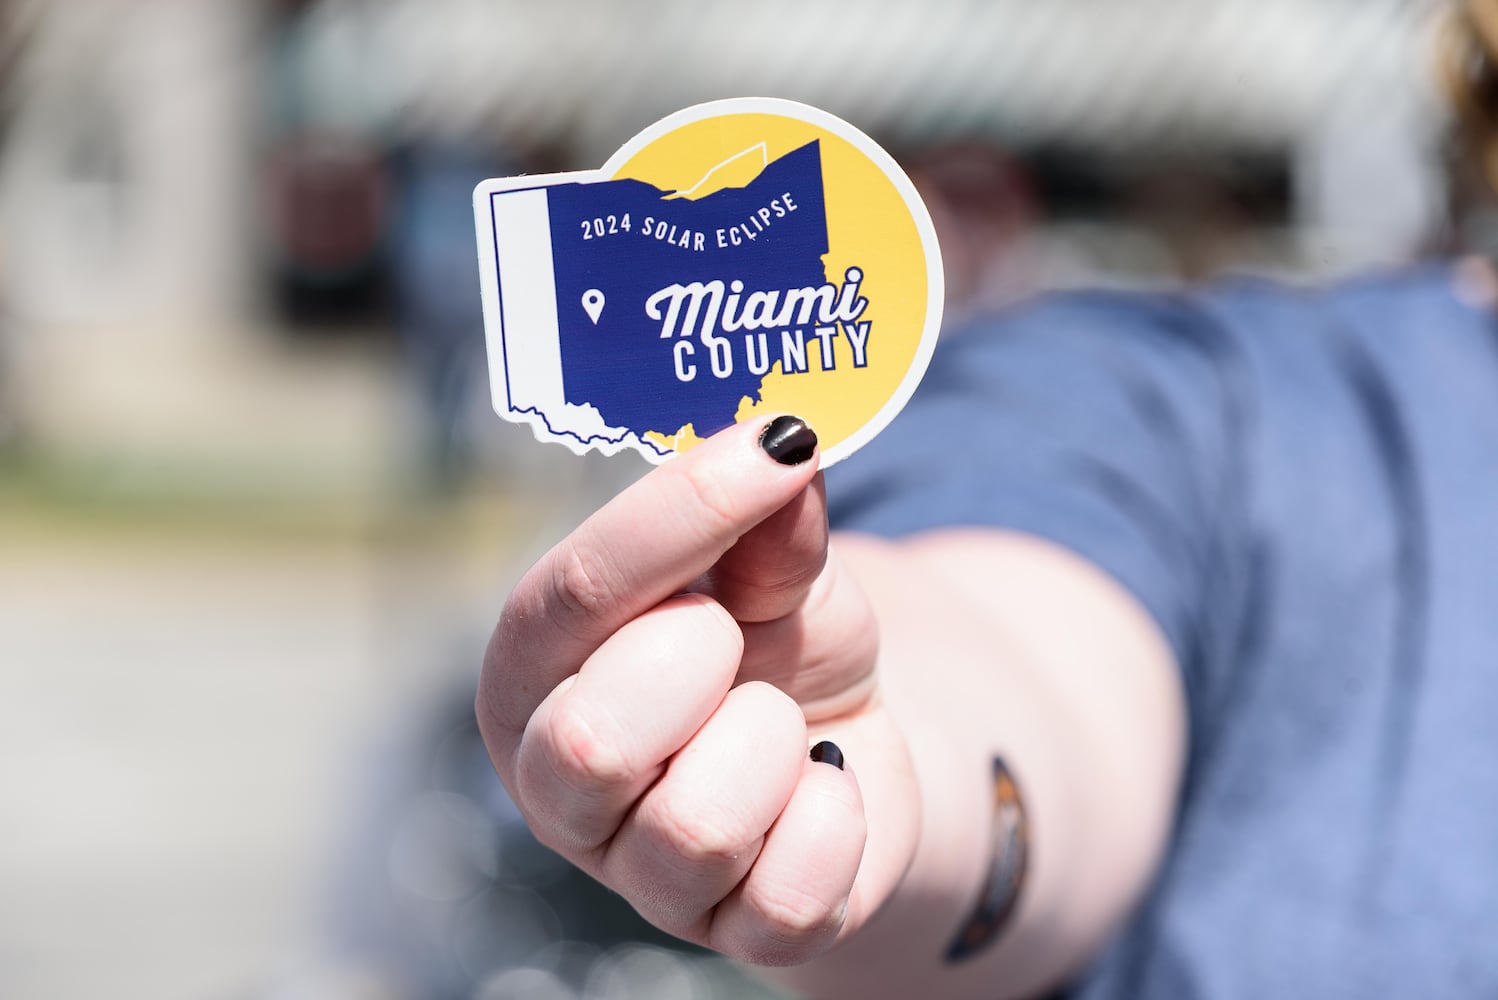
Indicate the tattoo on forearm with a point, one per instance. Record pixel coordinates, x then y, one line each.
1009 848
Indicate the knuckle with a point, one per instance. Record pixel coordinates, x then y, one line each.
789 916
693 837
580 757
796 579
711 497
771 583
579 582
784 927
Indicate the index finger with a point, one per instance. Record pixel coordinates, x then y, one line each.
648 543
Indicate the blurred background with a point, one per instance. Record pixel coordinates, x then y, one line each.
256 518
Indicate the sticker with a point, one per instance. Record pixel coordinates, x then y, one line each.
736 259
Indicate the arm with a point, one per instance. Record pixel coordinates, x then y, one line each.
659 741
999 644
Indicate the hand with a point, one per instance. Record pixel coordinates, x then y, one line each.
653 686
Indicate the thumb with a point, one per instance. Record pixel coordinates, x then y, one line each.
768 572
808 629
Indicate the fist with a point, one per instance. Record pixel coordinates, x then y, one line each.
661 687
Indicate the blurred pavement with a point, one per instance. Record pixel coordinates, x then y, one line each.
182 714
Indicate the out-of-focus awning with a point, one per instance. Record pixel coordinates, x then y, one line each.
1114 75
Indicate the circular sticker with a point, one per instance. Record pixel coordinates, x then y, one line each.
736 259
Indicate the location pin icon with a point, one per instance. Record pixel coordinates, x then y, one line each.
593 304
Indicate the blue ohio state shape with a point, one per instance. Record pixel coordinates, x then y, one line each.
620 364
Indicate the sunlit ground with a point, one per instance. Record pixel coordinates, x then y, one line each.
183 705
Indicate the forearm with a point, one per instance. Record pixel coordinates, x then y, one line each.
999 646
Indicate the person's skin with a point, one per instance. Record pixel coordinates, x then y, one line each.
655 681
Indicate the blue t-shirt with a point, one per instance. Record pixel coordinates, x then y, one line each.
1302 488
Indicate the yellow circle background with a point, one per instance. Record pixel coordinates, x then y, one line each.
869 226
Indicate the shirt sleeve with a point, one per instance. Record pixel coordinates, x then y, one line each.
1111 424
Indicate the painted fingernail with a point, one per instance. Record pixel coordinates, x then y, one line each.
788 440
826 752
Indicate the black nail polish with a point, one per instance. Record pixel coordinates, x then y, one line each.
826 752
788 440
